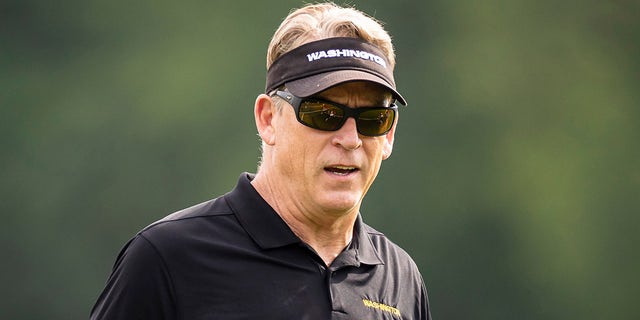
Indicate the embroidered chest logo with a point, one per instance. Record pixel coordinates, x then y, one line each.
381 306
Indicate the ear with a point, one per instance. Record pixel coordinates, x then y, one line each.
388 142
264 111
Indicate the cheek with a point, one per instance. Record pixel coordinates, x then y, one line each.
375 154
293 149
382 148
286 131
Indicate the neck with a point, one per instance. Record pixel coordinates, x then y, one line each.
327 240
328 233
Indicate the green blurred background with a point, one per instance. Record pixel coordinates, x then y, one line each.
514 183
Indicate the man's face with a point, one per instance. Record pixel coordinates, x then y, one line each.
331 171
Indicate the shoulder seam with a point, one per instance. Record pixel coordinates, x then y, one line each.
168 218
163 221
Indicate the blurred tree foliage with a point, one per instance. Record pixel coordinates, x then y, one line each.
515 180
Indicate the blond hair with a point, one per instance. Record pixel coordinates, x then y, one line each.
327 20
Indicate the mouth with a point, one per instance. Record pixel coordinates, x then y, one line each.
341 170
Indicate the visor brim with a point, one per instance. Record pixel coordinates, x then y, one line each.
308 86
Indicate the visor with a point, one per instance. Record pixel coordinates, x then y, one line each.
320 65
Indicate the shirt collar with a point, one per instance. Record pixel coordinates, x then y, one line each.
257 217
269 231
366 252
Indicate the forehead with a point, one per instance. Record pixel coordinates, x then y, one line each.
362 90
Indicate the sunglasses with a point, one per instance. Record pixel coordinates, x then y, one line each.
330 116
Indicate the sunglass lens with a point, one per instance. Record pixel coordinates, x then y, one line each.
375 122
321 115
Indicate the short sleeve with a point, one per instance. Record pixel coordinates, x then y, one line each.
423 309
139 286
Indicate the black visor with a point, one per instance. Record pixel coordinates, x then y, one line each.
319 65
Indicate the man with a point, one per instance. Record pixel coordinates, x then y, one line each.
289 241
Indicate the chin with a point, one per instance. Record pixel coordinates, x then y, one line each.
342 202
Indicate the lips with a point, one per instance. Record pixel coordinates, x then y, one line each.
341 170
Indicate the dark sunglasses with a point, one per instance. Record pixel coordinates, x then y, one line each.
330 116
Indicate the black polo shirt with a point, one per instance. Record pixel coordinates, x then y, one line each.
234 258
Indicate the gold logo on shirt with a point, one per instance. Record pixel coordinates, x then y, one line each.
381 306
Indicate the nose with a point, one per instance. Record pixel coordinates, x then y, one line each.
347 137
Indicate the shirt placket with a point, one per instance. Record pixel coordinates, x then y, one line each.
335 274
